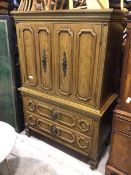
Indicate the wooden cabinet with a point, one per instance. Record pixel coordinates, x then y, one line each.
125 93
120 153
67 66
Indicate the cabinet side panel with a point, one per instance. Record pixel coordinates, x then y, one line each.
111 74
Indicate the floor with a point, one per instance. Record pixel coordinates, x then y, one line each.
31 156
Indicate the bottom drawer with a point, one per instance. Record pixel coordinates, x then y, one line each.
59 133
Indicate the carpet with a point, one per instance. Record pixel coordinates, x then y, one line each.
31 156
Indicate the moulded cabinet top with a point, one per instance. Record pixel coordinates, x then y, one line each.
103 15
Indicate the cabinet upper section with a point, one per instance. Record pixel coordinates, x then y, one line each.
72 55
70 15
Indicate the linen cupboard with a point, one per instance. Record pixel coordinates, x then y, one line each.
69 74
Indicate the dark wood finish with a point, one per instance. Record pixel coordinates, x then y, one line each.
68 82
120 153
4 6
125 92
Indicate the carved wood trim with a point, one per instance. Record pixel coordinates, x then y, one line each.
87 126
49 43
31 105
89 31
43 106
69 31
73 124
49 124
23 43
32 120
86 146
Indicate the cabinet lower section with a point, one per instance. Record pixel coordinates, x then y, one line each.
86 134
72 139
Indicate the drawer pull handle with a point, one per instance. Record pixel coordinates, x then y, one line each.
44 60
54 130
54 115
64 64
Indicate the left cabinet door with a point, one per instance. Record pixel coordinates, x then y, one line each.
28 62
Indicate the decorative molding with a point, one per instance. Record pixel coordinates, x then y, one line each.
86 125
23 29
48 33
32 120
93 34
65 60
85 140
31 105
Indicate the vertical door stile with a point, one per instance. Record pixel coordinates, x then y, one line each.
44 52
64 59
87 55
29 55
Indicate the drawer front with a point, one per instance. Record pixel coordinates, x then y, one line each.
122 125
120 156
68 119
59 133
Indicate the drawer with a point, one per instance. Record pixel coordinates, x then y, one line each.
122 125
66 118
59 133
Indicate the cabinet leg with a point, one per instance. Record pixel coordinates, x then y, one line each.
93 164
28 132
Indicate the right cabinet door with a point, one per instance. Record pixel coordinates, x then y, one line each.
77 48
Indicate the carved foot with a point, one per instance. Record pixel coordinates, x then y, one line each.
28 132
93 164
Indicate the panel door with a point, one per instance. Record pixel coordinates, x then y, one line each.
87 50
77 48
44 55
63 49
28 63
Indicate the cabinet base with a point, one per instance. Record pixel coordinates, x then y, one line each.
113 171
93 163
